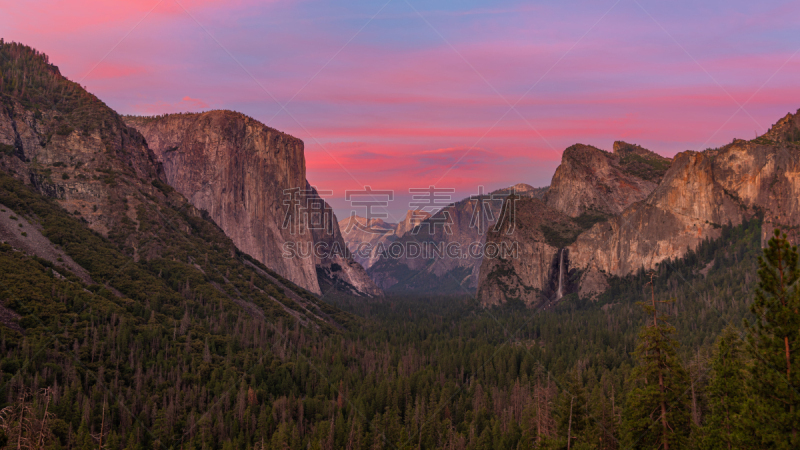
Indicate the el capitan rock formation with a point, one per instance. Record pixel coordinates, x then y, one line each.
70 164
240 171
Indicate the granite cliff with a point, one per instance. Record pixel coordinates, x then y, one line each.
700 192
335 266
532 271
252 181
590 180
89 196
634 209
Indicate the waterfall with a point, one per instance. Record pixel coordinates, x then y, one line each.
560 292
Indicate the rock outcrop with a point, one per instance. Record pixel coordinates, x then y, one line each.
252 181
411 220
593 181
522 263
336 268
364 238
650 209
700 192
158 252
78 152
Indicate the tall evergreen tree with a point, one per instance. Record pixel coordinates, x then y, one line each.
657 412
724 427
574 421
774 341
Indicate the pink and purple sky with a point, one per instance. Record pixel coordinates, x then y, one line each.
404 93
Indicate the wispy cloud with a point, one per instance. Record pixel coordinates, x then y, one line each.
186 104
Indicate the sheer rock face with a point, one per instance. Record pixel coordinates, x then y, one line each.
237 169
529 274
367 239
363 237
590 180
336 268
697 193
240 171
700 192
412 219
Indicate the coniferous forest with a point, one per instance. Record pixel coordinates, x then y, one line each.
199 346
697 354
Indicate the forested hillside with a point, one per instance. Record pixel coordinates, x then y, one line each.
176 369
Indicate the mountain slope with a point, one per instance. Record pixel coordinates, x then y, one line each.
531 273
700 192
66 145
216 159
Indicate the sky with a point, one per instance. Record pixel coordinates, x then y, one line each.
404 94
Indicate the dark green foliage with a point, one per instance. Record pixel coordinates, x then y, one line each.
713 284
724 427
185 342
558 235
64 130
587 219
184 366
28 76
657 411
561 235
574 420
647 168
774 341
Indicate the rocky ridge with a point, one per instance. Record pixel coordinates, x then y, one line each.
367 239
457 225
635 209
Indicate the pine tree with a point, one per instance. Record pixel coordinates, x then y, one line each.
574 420
724 427
657 412
774 338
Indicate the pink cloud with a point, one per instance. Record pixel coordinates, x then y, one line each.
56 17
108 70
186 104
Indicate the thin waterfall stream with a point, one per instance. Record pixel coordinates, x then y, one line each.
560 292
